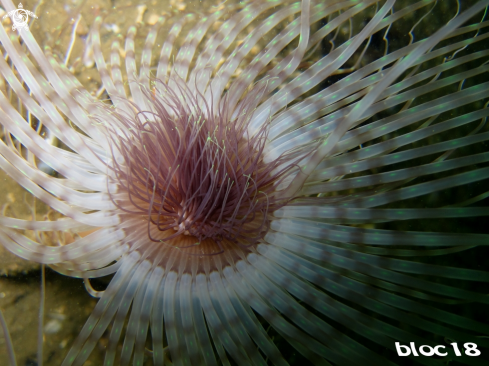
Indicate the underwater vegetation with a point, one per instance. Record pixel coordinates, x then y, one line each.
274 182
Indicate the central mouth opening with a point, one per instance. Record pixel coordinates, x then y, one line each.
196 173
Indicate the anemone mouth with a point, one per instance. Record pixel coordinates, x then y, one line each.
196 174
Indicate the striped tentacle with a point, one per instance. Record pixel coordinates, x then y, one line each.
167 48
377 300
371 157
131 330
142 326
219 330
289 64
115 68
320 330
93 261
172 318
21 177
200 329
144 73
82 165
58 85
326 67
134 285
41 148
349 234
112 84
252 325
104 311
315 38
131 70
220 41
348 163
140 313
93 201
229 67
325 101
160 353
402 119
52 201
330 63
81 248
306 345
181 66
395 175
197 351
382 268
97 142
136 83
279 42
456 99
100 61
80 162
338 91
229 316
87 274
56 125
59 225
360 215
355 115
418 189
365 325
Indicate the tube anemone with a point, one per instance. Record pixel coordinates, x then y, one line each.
250 193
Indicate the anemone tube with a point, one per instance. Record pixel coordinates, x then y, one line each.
234 205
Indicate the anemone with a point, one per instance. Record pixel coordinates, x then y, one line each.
248 192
